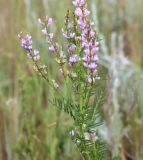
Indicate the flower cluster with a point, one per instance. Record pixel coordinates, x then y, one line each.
49 36
70 35
89 137
26 43
54 47
82 41
88 39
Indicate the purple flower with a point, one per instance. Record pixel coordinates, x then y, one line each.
86 12
78 2
87 51
89 79
94 72
71 48
90 44
85 64
78 12
84 44
84 32
51 49
95 49
81 23
92 24
94 58
86 58
49 21
26 42
92 33
51 36
64 34
92 66
74 59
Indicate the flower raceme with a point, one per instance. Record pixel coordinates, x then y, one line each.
87 136
84 40
26 43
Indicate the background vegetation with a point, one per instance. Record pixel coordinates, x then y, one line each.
32 129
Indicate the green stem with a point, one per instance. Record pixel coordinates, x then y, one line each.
86 156
81 104
87 96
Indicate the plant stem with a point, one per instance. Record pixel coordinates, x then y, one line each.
86 156
87 96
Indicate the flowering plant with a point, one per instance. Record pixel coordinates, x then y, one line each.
78 65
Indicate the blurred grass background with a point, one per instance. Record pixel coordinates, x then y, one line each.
30 128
